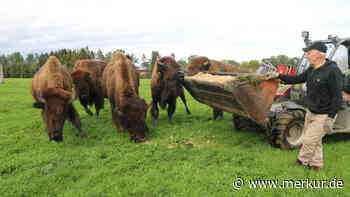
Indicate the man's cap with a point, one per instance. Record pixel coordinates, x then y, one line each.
319 46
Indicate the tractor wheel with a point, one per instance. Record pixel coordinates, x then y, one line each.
287 129
244 124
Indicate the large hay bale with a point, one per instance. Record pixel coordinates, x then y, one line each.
248 95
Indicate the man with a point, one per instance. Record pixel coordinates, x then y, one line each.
324 82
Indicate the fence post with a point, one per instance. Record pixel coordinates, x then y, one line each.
1 74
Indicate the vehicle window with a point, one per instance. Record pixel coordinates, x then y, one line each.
304 64
330 49
341 57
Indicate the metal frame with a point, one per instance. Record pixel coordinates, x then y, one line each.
336 41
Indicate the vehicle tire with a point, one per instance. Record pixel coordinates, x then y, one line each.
287 129
244 124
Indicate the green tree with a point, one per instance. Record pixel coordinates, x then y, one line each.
108 56
15 64
232 62
30 65
282 59
183 63
254 64
42 59
99 55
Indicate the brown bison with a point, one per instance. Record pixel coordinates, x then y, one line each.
166 88
121 81
52 90
87 78
204 64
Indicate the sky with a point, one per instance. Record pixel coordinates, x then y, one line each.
240 30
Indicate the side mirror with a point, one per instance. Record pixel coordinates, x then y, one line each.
305 34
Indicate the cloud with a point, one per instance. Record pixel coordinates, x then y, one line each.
240 30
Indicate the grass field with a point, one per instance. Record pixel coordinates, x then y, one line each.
190 157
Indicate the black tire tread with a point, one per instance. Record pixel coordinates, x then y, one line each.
279 126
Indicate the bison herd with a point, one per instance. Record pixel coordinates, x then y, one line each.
54 88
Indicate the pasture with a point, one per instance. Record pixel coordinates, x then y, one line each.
189 157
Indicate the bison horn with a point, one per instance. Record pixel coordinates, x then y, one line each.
161 63
41 98
73 96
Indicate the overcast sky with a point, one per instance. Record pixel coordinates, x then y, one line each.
239 30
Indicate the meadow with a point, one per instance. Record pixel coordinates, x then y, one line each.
189 157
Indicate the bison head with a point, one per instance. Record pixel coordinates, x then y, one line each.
83 85
167 67
132 116
55 103
168 70
198 64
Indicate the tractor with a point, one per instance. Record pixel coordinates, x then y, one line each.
286 117
258 102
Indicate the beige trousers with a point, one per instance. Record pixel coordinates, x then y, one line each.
315 127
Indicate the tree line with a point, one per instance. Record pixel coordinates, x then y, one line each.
19 66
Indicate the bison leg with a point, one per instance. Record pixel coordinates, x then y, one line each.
182 96
217 113
171 109
154 112
99 101
54 135
85 104
74 118
88 111
115 119
137 139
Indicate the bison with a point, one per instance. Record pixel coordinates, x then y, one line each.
87 78
121 81
165 87
204 64
52 90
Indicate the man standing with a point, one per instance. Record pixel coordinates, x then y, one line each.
324 82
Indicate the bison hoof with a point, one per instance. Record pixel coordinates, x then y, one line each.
57 139
137 139
217 118
39 105
83 135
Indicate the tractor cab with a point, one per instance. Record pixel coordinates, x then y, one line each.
338 51
257 100
289 136
288 111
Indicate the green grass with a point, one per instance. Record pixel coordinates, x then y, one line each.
189 157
